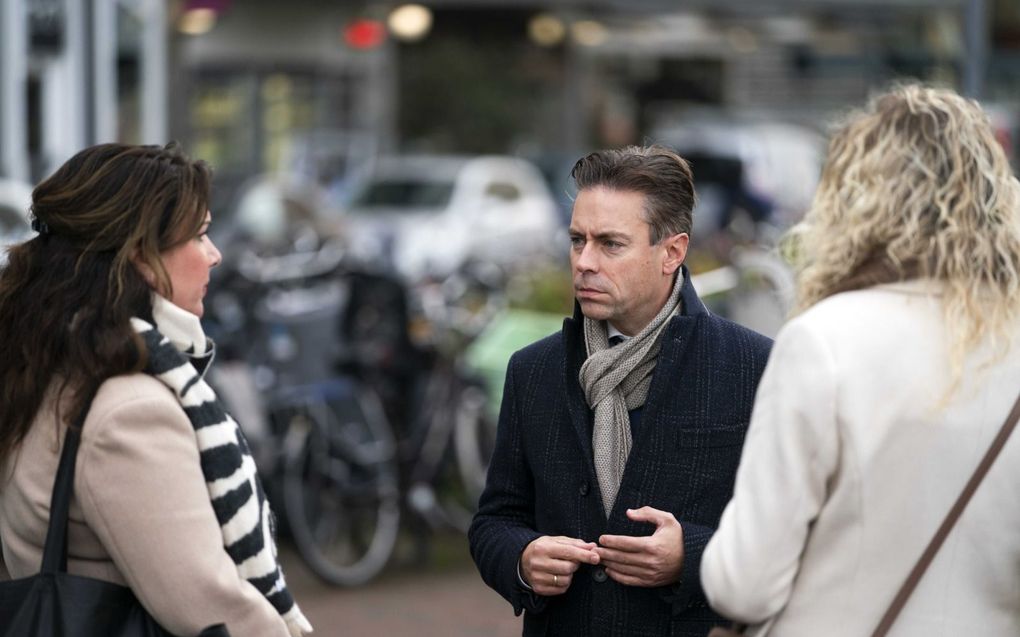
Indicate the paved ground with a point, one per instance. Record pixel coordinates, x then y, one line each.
444 597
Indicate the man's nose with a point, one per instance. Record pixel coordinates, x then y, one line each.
587 259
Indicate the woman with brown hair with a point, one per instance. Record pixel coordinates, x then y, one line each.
100 312
886 390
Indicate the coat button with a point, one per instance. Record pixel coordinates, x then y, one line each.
599 575
583 489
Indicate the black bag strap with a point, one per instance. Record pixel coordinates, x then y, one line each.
947 525
55 551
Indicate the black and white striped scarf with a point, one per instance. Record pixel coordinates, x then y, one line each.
237 497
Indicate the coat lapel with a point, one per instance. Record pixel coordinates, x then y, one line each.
580 413
675 339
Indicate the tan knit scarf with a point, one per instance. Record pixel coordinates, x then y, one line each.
616 380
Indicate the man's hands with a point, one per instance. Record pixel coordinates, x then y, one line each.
548 563
649 561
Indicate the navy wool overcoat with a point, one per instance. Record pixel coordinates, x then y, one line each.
686 449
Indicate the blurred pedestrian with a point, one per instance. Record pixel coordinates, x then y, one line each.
883 394
106 301
613 463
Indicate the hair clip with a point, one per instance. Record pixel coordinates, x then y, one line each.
40 226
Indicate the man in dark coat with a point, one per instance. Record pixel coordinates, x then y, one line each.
619 437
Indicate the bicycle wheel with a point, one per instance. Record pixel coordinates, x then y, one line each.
340 486
460 476
437 491
474 439
764 291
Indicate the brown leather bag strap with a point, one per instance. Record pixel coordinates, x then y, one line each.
940 536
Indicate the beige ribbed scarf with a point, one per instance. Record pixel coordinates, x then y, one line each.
615 380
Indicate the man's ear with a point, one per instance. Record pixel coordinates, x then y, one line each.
676 252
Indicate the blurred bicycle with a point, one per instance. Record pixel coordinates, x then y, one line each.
319 436
408 344
755 288
355 424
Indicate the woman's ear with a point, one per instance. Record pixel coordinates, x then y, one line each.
143 268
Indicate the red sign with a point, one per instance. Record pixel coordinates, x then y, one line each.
364 34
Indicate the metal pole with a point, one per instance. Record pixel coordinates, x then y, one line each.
976 51
154 72
14 89
76 57
378 74
104 64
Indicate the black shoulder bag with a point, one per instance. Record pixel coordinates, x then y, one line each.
54 603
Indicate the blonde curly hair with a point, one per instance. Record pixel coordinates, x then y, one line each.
916 185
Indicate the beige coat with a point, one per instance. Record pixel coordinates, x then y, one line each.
141 514
849 467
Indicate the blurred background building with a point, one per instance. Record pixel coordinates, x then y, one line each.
429 136
316 86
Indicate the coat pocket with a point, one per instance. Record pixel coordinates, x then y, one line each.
712 436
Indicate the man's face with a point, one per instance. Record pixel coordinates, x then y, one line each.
618 276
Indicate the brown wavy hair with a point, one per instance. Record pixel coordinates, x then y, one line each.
68 294
916 186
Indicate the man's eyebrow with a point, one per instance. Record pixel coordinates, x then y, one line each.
612 236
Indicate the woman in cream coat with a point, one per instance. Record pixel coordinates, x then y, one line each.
106 300
884 392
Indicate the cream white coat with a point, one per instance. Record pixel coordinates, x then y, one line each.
849 466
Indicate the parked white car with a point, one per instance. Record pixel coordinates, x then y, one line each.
427 214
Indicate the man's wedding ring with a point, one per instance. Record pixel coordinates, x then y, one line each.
556 579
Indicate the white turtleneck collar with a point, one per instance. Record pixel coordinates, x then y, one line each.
183 328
